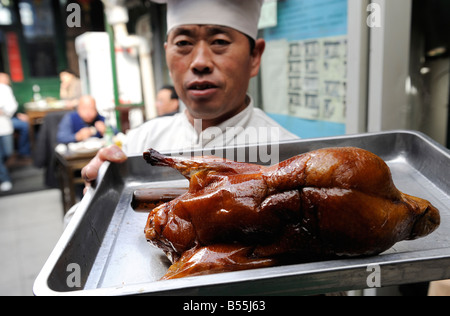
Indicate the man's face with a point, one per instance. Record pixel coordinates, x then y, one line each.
164 102
65 77
211 67
87 110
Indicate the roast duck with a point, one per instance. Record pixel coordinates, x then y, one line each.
330 203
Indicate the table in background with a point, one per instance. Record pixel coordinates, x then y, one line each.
69 165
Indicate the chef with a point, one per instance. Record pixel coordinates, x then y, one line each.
212 52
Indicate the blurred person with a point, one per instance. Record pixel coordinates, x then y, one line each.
167 103
70 88
21 123
81 124
8 106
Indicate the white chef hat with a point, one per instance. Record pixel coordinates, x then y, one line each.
241 15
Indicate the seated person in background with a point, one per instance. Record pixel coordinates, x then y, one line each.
21 123
70 89
167 103
8 106
82 124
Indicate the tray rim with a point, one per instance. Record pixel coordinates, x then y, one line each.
41 287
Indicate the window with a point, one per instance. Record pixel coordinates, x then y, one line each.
39 33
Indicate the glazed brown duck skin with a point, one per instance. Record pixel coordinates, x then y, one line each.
327 203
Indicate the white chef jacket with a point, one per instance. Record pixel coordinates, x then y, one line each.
176 133
8 105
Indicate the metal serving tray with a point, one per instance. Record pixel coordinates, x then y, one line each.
104 250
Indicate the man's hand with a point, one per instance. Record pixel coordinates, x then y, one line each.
112 154
83 134
101 127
